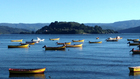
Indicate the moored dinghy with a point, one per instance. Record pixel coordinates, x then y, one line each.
135 51
32 43
63 43
75 45
134 69
97 37
135 43
95 42
18 46
17 40
54 48
54 39
26 71
111 40
132 39
78 40
38 39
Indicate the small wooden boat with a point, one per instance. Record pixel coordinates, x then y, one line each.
132 39
118 37
26 71
17 40
134 69
78 40
136 51
97 37
111 40
95 42
32 43
75 45
54 39
18 46
38 39
67 43
133 43
54 48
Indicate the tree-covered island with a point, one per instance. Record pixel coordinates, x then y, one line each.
72 28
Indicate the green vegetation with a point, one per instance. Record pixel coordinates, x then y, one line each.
9 30
72 28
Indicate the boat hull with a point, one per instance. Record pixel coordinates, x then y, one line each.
134 69
55 48
134 43
26 71
27 43
78 40
54 39
16 40
95 42
111 40
67 43
136 51
18 46
76 45
132 39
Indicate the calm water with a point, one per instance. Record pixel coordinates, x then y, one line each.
109 60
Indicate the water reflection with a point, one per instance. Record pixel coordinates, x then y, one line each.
56 50
35 76
134 73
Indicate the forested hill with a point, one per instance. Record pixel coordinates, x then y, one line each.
10 30
72 28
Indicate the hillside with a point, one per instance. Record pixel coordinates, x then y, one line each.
31 27
120 25
10 30
72 28
130 30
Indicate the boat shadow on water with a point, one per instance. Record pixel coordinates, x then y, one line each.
35 76
134 73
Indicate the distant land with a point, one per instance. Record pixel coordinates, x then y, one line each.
120 26
72 28
10 30
31 27
130 30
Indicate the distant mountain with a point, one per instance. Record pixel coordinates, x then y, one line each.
103 25
120 25
32 27
10 30
130 30
117 25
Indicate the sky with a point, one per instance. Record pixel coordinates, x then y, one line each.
81 11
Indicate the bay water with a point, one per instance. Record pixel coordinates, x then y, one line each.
108 60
